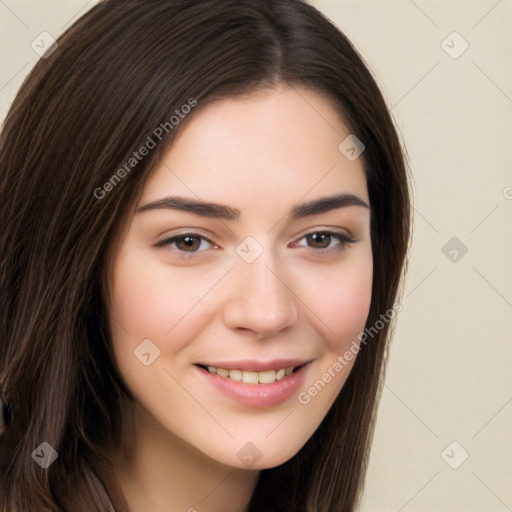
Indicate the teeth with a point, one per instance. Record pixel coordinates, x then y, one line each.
249 377
266 377
235 374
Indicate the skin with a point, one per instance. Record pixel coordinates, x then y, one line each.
261 154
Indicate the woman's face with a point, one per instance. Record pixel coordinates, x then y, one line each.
257 286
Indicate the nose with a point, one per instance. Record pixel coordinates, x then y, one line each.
259 299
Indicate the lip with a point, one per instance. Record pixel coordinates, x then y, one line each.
258 395
253 365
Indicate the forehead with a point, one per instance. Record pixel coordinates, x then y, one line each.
269 146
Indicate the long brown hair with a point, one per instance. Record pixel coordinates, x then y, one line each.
118 73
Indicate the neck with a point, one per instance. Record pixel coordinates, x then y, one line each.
158 471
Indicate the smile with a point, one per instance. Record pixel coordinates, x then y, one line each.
252 377
263 388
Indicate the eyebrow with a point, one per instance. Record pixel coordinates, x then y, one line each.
220 211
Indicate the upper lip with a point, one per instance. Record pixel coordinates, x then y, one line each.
255 365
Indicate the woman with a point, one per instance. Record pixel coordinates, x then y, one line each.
206 219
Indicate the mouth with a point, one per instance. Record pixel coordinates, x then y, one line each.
256 384
253 376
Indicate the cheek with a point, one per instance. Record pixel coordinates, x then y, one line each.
343 304
139 301
148 301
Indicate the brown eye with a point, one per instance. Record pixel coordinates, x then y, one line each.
319 240
322 241
188 243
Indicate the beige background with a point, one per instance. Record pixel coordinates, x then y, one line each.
449 375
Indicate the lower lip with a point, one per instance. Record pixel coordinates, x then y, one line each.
258 395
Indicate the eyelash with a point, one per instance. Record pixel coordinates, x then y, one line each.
343 239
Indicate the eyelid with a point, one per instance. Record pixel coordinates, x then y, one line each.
184 255
345 233
343 238
199 232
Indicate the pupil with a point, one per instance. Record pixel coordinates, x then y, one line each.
323 236
189 242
